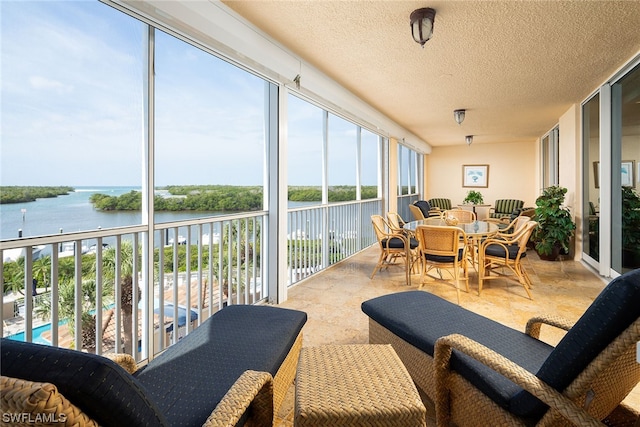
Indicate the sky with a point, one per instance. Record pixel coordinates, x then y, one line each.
71 109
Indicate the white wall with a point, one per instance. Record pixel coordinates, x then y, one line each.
513 171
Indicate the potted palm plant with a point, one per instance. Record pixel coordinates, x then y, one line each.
473 197
555 224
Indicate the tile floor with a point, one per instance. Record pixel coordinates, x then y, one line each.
332 301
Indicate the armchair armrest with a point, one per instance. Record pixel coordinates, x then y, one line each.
125 360
533 325
505 367
252 391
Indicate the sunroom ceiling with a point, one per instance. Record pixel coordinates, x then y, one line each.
515 66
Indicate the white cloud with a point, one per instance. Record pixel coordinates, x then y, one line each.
43 83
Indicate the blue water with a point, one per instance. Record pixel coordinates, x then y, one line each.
36 334
74 212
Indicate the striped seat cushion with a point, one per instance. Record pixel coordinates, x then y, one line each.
443 204
504 207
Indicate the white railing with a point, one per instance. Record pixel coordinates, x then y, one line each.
93 282
91 290
403 205
320 236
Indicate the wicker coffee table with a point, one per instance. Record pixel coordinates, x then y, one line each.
355 385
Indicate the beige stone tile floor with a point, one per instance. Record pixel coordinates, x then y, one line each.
332 301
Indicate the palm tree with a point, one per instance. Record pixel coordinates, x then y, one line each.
126 287
67 309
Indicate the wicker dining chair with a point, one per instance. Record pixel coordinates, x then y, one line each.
396 222
416 212
393 245
506 250
581 381
443 247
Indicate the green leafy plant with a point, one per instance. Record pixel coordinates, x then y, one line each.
630 226
555 223
474 197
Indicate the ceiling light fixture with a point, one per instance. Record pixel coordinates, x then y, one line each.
468 139
458 115
422 24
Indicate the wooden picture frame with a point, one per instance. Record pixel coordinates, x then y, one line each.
475 176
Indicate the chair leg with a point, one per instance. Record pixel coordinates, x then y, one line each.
456 273
379 264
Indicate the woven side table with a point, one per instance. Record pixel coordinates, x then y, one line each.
355 385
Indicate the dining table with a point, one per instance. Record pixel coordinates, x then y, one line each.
475 231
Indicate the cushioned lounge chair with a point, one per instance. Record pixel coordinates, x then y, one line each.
439 203
496 375
504 208
210 377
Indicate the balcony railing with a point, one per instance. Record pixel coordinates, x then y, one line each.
320 236
81 290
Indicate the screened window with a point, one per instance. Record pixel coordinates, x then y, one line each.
72 79
209 130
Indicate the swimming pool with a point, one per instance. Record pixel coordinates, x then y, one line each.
36 334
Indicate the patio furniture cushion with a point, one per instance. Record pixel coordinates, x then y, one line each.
498 251
97 385
444 258
442 204
610 313
505 207
420 318
424 206
397 243
235 339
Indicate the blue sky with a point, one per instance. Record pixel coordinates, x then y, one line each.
72 112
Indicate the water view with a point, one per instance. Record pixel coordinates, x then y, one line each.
74 212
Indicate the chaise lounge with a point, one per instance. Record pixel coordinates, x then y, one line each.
480 372
236 367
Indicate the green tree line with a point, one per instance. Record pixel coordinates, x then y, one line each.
21 194
222 198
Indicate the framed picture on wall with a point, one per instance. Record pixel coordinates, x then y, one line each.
627 177
475 175
626 171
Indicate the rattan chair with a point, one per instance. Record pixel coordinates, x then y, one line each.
442 247
506 250
462 215
393 245
396 222
512 226
416 212
580 382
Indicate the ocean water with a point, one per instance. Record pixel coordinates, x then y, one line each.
74 212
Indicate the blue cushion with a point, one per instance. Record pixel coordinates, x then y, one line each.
617 306
444 258
102 389
397 243
424 206
420 318
237 338
498 251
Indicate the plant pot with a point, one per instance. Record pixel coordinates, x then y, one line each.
551 257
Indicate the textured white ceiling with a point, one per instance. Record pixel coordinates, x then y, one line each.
515 66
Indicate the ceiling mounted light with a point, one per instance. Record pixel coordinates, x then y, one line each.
468 139
422 24
458 115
